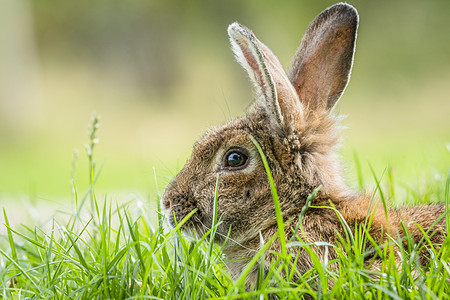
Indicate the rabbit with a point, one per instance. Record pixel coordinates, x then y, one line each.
293 122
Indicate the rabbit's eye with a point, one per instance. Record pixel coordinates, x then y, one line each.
235 159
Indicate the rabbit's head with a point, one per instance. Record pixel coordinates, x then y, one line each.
292 122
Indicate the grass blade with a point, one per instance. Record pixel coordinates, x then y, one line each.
276 201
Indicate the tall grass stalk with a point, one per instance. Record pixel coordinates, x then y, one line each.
276 201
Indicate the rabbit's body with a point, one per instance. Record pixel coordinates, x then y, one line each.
322 224
292 122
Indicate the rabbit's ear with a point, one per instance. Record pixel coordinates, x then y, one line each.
275 93
321 67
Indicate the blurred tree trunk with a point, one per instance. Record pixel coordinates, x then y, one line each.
20 105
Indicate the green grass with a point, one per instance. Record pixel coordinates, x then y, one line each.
103 250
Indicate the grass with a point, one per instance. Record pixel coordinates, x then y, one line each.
103 250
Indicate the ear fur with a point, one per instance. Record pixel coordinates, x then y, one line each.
274 91
322 65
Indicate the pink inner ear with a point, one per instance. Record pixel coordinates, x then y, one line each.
252 62
279 98
323 74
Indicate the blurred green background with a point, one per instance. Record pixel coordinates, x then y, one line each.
161 72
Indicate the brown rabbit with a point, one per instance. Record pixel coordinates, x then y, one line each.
292 121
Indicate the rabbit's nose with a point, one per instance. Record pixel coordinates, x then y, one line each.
166 203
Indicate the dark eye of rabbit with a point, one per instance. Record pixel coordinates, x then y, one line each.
235 159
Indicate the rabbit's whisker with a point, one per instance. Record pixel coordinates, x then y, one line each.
225 236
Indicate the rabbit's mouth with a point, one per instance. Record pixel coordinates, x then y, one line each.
178 214
193 226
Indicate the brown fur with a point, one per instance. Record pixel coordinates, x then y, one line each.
292 121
